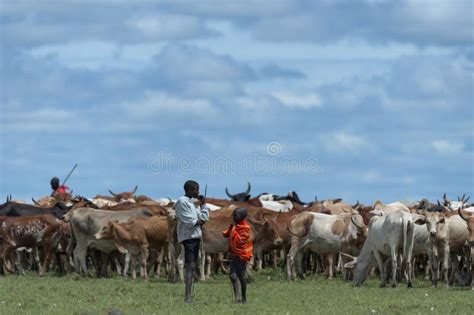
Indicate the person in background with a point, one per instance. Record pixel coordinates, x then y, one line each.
58 189
192 213
240 248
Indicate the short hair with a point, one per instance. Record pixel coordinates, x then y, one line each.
190 184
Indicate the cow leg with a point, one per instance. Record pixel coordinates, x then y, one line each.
445 264
428 269
208 265
133 265
80 260
260 260
126 267
330 261
180 264
202 272
18 262
274 258
434 268
159 261
382 270
48 255
144 257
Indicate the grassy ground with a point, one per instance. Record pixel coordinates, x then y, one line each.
268 294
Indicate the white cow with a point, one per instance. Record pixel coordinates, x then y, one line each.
388 235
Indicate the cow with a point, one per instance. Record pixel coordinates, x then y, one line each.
137 236
389 234
324 234
469 218
30 232
438 245
240 197
455 205
85 223
12 209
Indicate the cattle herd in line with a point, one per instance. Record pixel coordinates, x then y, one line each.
112 233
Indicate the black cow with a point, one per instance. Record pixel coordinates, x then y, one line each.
240 197
13 209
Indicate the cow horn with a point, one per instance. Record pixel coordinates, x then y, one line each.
356 205
34 201
315 197
228 193
248 188
463 196
461 215
439 203
357 225
445 199
134 190
467 199
113 194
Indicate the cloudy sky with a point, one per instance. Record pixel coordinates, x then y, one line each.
355 99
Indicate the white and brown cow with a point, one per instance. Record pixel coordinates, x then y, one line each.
324 234
30 232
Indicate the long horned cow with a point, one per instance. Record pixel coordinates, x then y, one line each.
240 197
124 195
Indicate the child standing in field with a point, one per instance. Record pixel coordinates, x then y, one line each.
240 248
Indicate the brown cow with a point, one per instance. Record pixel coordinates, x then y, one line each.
137 236
30 232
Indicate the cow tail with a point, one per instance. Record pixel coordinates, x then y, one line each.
409 238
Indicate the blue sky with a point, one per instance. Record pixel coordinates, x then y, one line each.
363 99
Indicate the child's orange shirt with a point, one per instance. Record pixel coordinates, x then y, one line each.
240 244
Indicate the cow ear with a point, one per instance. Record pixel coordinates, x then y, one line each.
442 220
419 219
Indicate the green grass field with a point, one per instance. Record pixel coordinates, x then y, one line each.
270 293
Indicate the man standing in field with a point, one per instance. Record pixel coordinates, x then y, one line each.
192 213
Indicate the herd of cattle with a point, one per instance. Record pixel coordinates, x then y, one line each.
397 240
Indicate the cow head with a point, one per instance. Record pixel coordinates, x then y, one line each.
435 223
59 210
82 202
454 205
124 195
469 218
265 230
240 197
107 231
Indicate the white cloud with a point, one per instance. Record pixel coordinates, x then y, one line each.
343 142
446 147
155 104
303 101
373 177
